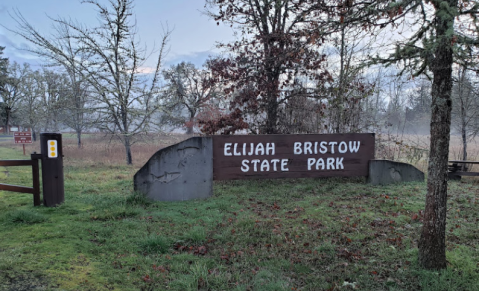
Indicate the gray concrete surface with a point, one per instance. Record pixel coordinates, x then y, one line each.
384 172
183 171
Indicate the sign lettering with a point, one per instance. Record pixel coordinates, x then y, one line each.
22 137
291 156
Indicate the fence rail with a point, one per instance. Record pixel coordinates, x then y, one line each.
35 190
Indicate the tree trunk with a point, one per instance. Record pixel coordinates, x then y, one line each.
339 110
127 143
272 115
190 124
464 152
462 77
272 107
432 244
7 119
189 128
464 138
79 138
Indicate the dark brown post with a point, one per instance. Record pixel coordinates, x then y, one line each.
52 169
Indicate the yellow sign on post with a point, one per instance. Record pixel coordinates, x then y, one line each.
52 148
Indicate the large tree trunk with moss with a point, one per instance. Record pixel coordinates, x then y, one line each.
432 244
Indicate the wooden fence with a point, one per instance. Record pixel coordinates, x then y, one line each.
35 190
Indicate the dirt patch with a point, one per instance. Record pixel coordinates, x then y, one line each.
22 282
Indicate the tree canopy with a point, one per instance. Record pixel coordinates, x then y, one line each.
3 69
277 45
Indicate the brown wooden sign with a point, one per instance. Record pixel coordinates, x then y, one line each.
291 156
22 137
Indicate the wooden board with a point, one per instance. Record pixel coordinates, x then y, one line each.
471 174
291 156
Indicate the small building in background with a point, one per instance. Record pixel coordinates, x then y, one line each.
13 128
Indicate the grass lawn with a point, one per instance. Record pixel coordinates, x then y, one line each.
306 234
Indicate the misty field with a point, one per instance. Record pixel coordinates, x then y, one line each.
297 234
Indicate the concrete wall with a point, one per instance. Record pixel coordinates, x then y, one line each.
384 172
179 172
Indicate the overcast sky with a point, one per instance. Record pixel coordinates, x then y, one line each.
193 39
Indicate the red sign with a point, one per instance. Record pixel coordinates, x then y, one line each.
22 137
292 156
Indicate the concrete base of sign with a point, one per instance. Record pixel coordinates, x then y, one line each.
384 172
179 172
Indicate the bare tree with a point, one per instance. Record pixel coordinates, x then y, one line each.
53 97
350 87
113 70
61 50
395 111
418 111
374 107
32 110
192 89
12 92
465 108
110 58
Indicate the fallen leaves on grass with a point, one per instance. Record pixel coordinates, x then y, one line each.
195 250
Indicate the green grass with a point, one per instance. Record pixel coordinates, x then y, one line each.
307 234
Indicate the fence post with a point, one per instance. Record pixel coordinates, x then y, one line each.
36 179
52 169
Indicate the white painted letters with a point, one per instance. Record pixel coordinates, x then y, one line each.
343 147
274 162
354 146
228 149
270 149
265 166
330 164
251 149
244 166
297 148
316 149
323 148
235 152
259 149
307 148
320 163
339 163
